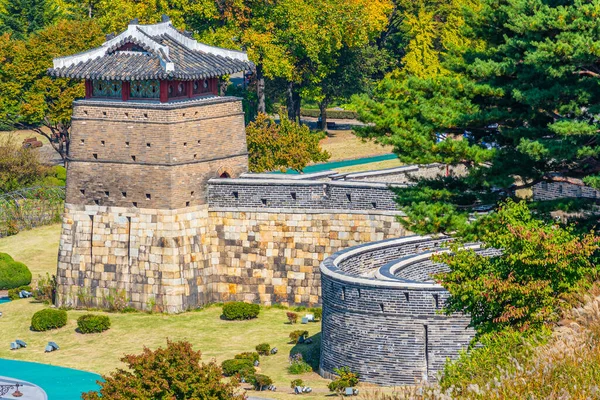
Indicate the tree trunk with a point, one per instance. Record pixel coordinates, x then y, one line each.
293 102
323 109
290 100
260 89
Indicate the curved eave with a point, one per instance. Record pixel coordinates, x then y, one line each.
64 73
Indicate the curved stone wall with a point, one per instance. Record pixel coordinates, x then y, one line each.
381 312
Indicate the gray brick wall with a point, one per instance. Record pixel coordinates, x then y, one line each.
557 190
290 194
390 332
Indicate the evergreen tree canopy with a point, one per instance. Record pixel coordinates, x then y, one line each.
22 17
519 109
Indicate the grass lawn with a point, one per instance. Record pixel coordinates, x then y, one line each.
129 333
37 248
344 145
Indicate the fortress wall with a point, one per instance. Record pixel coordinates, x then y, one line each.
388 331
288 194
155 256
559 190
405 174
273 255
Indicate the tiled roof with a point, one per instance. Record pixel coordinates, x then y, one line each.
159 52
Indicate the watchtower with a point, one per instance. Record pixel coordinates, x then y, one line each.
145 140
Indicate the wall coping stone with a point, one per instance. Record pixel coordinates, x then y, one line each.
329 266
268 182
151 104
389 271
295 177
305 211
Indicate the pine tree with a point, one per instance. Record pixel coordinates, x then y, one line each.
517 111
22 17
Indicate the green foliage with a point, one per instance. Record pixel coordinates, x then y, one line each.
514 102
252 356
116 300
19 167
263 349
244 367
91 323
296 382
237 310
166 373
48 318
541 264
298 365
13 294
317 312
45 290
22 17
285 145
260 381
13 274
345 378
29 98
497 353
296 335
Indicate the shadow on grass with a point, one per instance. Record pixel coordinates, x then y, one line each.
311 353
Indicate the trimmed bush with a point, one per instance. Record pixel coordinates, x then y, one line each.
49 318
296 382
91 323
263 349
317 312
298 367
260 381
292 317
252 356
13 274
296 335
13 294
237 310
244 367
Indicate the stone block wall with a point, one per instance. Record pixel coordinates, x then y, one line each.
153 256
387 330
273 255
557 190
300 194
153 155
406 174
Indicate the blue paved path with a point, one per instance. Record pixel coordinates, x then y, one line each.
59 383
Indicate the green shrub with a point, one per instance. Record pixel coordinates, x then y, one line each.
90 323
242 366
296 335
298 365
260 381
13 274
317 312
45 290
236 310
13 294
337 114
263 349
248 355
48 318
345 378
296 382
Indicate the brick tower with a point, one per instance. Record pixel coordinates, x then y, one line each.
148 135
